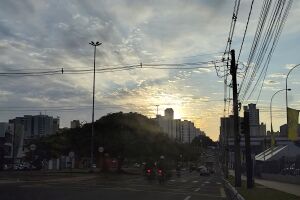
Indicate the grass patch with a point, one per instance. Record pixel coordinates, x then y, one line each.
262 192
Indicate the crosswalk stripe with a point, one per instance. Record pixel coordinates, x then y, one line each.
187 198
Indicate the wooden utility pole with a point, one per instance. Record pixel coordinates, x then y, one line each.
237 154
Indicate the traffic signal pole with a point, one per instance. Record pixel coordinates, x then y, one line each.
237 154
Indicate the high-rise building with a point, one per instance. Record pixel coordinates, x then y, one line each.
227 126
75 124
253 114
37 125
181 131
256 129
169 113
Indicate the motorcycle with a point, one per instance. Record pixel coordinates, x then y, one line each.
150 174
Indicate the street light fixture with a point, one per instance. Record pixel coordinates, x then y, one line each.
286 88
271 117
92 137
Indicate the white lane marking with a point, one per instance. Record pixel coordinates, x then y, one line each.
197 190
218 183
222 192
195 181
183 181
206 182
172 180
187 198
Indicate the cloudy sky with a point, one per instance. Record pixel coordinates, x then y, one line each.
48 35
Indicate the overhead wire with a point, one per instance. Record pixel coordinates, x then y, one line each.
261 22
178 66
273 33
246 28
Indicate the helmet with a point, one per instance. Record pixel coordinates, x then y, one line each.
162 157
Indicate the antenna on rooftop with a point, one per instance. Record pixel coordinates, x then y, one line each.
156 110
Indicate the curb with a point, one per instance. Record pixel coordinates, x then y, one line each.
232 193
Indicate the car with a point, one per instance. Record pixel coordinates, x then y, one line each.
204 171
199 168
137 165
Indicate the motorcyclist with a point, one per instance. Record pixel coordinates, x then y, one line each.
149 165
161 163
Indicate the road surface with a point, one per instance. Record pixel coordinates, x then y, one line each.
190 186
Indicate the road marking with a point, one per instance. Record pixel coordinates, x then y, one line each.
222 192
206 182
197 190
172 180
183 181
187 198
202 184
195 181
218 183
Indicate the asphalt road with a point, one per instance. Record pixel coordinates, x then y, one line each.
190 186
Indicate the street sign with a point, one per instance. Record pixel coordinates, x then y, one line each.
101 149
32 147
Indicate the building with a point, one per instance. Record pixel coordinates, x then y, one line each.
37 125
256 129
188 131
181 131
167 125
169 113
227 128
6 142
75 124
283 130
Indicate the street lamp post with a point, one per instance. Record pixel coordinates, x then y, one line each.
92 137
271 117
286 88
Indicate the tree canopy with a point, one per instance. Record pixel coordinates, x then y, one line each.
129 135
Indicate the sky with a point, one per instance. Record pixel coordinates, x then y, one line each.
50 35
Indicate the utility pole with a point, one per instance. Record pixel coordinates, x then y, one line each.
92 137
248 150
156 110
237 154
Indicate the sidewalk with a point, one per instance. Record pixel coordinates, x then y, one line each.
284 187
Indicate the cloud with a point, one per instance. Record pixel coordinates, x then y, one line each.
49 35
277 75
271 82
289 66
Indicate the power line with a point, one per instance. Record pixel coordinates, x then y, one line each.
248 19
281 19
176 66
